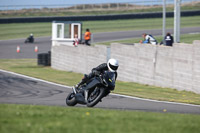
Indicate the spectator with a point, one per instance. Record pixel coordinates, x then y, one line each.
148 39
87 37
76 40
169 40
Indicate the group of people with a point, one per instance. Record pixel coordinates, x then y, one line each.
112 64
87 37
167 41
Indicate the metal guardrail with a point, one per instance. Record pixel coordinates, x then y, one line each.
99 17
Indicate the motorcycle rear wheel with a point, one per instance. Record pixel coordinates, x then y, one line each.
70 100
93 101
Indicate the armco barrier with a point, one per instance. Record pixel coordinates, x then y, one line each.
99 17
174 67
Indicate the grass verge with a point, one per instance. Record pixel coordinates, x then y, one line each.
30 68
51 119
185 38
22 30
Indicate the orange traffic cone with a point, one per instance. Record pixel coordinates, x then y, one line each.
18 49
36 48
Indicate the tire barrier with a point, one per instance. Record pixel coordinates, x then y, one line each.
99 17
44 59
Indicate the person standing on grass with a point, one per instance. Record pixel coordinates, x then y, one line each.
87 37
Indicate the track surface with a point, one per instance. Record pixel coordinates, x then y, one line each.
8 47
22 90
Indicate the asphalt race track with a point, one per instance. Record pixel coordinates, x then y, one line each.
8 47
17 89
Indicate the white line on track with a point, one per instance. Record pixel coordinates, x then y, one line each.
137 98
24 76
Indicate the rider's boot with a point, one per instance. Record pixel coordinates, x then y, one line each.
83 81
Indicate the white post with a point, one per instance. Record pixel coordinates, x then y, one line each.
177 21
164 21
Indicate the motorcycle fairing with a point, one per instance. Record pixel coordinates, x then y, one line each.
110 79
94 82
80 98
83 99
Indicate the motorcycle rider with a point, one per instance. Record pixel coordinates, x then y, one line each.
112 65
30 39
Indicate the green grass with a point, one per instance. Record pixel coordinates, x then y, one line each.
185 38
29 67
22 30
51 119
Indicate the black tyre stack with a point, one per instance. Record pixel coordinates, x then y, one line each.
44 59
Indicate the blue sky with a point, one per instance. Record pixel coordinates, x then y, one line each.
18 4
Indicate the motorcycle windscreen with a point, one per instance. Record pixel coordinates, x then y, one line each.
110 79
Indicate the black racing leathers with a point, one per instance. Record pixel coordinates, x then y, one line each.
95 71
100 69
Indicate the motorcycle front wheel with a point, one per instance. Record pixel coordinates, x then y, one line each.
95 97
70 100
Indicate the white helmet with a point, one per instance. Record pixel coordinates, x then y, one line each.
112 65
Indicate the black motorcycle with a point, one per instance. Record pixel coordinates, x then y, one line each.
29 40
93 91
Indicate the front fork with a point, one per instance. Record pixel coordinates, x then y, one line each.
74 90
86 95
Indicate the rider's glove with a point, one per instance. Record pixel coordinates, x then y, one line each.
95 72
